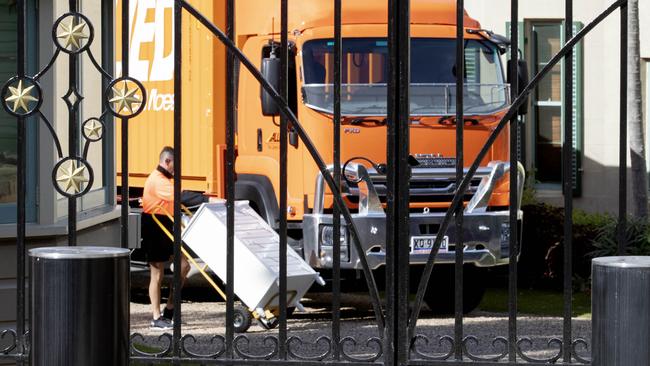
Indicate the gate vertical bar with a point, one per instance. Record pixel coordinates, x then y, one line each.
284 73
622 165
567 182
230 180
22 188
397 270
178 72
73 136
460 123
336 268
513 237
124 189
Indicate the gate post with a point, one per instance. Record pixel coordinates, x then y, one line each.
80 306
620 316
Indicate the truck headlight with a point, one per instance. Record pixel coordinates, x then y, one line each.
327 235
327 242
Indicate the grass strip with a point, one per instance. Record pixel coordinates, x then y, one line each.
536 302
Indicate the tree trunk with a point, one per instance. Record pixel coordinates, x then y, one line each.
635 115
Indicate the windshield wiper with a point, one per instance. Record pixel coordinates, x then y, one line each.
365 120
426 108
451 120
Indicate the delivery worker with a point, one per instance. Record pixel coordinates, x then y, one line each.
158 199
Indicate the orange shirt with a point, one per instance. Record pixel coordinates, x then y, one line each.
158 191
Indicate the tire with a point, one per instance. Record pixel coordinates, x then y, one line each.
440 292
241 319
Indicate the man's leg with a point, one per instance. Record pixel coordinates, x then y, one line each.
157 272
185 269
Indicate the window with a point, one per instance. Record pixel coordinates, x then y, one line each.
92 86
546 118
100 154
8 123
547 103
433 79
8 131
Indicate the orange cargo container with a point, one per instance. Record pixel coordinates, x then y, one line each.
151 60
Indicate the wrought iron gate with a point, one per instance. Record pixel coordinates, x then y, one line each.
398 342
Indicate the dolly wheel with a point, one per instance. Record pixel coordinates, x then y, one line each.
241 319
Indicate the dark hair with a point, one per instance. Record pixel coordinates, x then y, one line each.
167 151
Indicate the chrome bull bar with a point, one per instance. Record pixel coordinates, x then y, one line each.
486 232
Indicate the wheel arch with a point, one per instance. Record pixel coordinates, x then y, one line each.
258 190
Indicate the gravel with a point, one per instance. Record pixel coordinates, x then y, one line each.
204 320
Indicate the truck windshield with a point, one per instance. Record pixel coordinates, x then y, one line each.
433 77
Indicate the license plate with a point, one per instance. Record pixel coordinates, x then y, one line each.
424 244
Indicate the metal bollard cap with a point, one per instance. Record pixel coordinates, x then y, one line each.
78 252
623 262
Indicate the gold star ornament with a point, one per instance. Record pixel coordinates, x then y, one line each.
20 97
71 177
93 130
72 33
125 98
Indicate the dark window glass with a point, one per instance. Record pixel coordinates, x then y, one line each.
8 129
433 77
547 104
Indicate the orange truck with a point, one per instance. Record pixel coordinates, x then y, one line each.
363 130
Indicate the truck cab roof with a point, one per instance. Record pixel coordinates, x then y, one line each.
255 17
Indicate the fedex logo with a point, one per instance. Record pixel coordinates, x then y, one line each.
151 54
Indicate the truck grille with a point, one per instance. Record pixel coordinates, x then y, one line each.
426 185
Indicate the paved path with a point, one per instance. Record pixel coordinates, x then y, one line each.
205 319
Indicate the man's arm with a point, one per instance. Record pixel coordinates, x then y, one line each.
192 198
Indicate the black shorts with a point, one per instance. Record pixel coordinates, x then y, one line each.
156 245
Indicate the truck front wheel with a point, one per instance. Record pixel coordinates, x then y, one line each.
440 292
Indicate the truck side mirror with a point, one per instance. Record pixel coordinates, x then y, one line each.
271 72
523 80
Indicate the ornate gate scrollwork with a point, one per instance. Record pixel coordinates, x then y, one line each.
73 34
124 97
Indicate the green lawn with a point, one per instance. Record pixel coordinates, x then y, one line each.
536 302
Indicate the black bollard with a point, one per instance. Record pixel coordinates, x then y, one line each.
80 306
620 305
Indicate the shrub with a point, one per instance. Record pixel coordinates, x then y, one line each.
541 236
541 263
542 256
637 234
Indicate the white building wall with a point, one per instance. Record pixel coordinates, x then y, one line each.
644 15
601 88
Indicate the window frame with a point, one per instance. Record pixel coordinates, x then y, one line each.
103 197
530 151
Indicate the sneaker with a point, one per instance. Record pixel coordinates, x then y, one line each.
161 324
168 314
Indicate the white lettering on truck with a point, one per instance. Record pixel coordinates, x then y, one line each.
161 66
159 102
